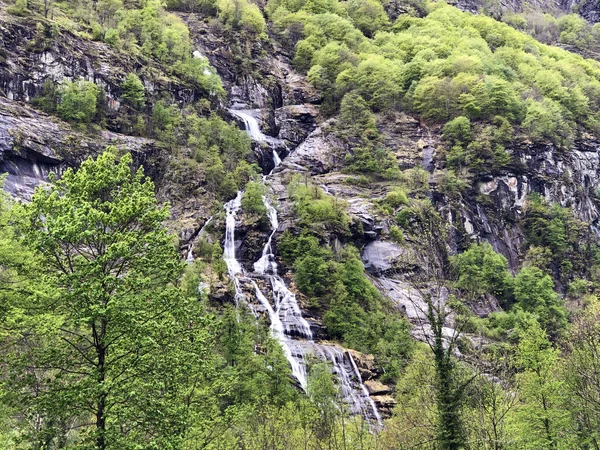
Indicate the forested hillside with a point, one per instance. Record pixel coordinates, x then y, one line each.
299 224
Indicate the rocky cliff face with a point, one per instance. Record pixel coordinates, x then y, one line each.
259 77
588 9
34 144
33 51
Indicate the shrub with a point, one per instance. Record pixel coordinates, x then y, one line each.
396 234
481 270
243 15
78 101
534 292
396 198
133 91
252 200
457 132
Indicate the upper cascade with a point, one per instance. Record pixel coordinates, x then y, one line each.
253 128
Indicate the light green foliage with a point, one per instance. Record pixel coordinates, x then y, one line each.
78 101
17 277
396 198
317 210
113 324
433 67
242 14
133 91
415 413
221 149
481 270
252 200
534 292
150 30
157 33
581 372
17 262
396 234
541 421
367 15
198 70
570 29
457 132
545 120
19 8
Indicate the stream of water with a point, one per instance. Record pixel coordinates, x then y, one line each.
288 325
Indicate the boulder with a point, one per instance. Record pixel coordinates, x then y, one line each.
379 256
295 122
377 388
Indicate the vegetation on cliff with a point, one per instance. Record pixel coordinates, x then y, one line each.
108 341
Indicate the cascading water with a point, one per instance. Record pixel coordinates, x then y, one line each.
253 129
234 268
288 325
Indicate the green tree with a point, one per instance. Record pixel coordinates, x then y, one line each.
252 200
541 420
581 373
133 91
107 344
78 101
534 293
481 270
357 120
368 16
457 131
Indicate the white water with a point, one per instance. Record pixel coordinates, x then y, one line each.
253 129
231 209
233 266
288 325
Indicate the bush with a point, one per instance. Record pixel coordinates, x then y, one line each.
19 8
534 292
396 198
78 101
242 15
396 234
481 270
315 209
252 200
133 91
457 132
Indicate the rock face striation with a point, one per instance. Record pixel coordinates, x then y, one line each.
34 144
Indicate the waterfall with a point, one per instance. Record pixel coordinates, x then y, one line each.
233 266
288 326
253 129
231 209
251 125
293 330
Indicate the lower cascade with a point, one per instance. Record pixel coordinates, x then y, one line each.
288 325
